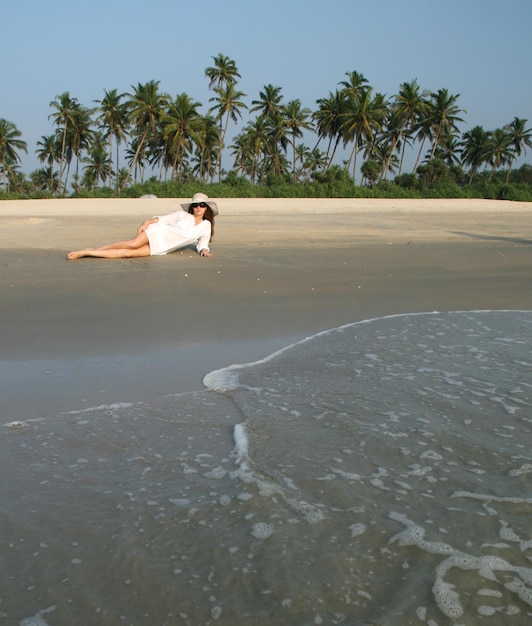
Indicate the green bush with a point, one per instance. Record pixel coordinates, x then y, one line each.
522 175
519 193
233 179
334 174
407 181
435 180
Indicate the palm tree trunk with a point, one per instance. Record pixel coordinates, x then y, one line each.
117 160
62 162
110 177
222 144
419 155
135 158
334 150
509 170
386 165
353 156
402 158
436 142
294 156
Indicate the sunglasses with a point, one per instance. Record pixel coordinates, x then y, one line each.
200 204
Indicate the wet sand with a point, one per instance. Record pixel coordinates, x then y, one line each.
92 331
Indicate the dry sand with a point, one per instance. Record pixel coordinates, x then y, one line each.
81 332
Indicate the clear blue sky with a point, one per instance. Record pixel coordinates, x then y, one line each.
480 49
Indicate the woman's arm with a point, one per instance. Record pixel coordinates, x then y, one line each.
145 224
203 242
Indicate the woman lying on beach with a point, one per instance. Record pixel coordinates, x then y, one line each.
165 233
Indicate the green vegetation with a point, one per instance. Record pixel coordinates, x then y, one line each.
170 149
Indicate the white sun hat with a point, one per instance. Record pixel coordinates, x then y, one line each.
199 197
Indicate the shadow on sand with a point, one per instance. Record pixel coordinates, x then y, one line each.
493 237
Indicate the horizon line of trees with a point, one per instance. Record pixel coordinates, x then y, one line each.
169 138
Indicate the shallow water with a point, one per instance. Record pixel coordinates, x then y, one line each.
378 473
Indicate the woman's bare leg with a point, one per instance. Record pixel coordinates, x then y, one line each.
131 248
136 242
115 253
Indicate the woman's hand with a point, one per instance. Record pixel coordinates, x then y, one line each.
145 225
205 252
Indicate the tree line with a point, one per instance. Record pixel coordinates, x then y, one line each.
128 137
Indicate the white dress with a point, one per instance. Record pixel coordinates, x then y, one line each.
177 230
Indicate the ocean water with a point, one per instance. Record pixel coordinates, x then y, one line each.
375 474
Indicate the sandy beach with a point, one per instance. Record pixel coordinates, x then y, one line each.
92 331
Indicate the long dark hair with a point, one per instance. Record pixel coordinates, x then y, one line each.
208 215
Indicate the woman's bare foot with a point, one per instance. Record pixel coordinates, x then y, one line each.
78 254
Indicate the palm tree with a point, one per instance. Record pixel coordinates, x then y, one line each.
363 117
316 161
371 171
98 162
309 162
44 179
443 117
423 131
297 120
392 139
254 140
277 143
448 150
65 109
180 124
474 149
122 179
113 120
79 135
145 108
302 159
158 153
229 104
16 180
223 73
381 110
269 101
355 85
10 144
241 151
274 123
207 139
521 139
50 153
383 153
409 106
328 120
499 150
136 159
